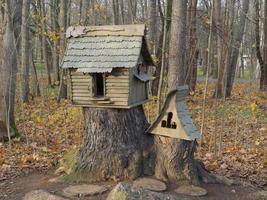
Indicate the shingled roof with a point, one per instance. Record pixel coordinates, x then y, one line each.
99 49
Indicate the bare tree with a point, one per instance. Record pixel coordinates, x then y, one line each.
177 45
238 36
191 77
8 68
44 41
116 16
263 78
63 26
25 50
152 24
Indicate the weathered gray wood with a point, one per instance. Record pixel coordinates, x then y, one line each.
122 91
117 81
117 95
117 84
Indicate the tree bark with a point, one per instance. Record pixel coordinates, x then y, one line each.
8 68
177 44
225 48
118 135
55 51
238 36
263 77
116 147
25 56
44 43
191 77
84 13
63 26
152 24
115 9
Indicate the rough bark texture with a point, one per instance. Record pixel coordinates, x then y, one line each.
191 77
177 48
113 144
152 24
25 52
8 68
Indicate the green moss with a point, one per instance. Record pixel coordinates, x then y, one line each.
14 128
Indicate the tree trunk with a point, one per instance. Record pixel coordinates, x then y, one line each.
225 49
25 45
44 43
238 36
115 9
55 52
84 13
118 135
122 11
8 68
263 77
35 82
193 51
63 26
177 48
152 24
130 18
116 147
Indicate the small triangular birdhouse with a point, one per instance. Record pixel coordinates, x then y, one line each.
174 120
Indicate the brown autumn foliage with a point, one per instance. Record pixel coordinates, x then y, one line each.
49 129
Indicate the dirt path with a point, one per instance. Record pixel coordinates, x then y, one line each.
16 188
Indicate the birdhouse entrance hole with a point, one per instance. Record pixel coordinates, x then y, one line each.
99 85
169 123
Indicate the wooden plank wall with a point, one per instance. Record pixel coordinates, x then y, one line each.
81 87
117 86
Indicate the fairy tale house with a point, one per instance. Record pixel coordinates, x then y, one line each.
108 65
174 120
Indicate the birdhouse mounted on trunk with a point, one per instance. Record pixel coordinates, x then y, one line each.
108 65
174 120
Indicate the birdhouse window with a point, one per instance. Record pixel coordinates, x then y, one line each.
99 85
169 123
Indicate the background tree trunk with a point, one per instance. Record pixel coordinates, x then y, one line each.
152 24
177 48
238 36
226 47
44 42
25 50
63 27
263 78
191 75
115 9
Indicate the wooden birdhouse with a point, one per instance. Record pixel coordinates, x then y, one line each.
108 65
174 120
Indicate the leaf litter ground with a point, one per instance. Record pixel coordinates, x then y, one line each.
49 129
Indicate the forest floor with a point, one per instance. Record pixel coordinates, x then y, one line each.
49 130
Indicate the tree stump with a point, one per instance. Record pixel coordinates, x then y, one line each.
113 146
116 147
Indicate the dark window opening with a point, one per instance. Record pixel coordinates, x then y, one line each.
99 85
163 123
169 123
174 125
169 119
